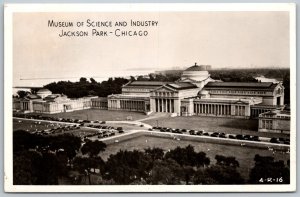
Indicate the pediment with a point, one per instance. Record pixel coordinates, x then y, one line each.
112 96
164 89
240 102
187 80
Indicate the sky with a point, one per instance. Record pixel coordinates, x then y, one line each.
220 39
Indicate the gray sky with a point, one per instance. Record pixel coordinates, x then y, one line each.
220 39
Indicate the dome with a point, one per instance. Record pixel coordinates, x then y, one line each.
44 92
203 92
196 73
196 68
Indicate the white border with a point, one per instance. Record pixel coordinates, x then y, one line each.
9 9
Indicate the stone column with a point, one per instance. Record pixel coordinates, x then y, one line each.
177 106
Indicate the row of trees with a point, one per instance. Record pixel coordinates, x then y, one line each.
48 159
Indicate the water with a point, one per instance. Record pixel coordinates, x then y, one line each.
264 79
41 81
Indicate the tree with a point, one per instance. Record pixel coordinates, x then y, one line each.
83 80
188 156
22 93
68 142
227 161
155 153
126 167
93 80
267 167
286 84
218 174
93 148
26 167
85 164
165 172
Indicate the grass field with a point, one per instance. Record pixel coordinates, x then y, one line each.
30 125
102 115
244 155
212 124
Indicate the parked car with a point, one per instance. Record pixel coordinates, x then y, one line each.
231 137
240 137
274 140
255 138
247 137
222 135
192 132
214 134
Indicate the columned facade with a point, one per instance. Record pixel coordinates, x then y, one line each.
164 105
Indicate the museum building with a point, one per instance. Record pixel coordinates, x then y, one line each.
195 93
46 102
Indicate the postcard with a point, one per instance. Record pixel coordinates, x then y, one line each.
150 98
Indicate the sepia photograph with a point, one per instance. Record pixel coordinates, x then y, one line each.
150 98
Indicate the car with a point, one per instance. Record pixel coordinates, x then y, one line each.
274 140
222 135
206 134
239 137
100 136
192 132
287 142
199 132
183 130
121 131
119 128
231 137
247 137
150 129
169 130
255 138
215 134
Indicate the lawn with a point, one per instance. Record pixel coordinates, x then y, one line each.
30 125
102 115
212 124
244 155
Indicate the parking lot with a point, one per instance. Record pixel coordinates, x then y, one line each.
214 124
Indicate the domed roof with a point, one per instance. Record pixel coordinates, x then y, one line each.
44 91
203 92
198 68
196 73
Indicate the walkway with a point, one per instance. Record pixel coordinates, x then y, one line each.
155 115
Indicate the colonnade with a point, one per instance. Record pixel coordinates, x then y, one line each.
239 110
99 104
132 105
164 105
255 112
25 106
215 109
